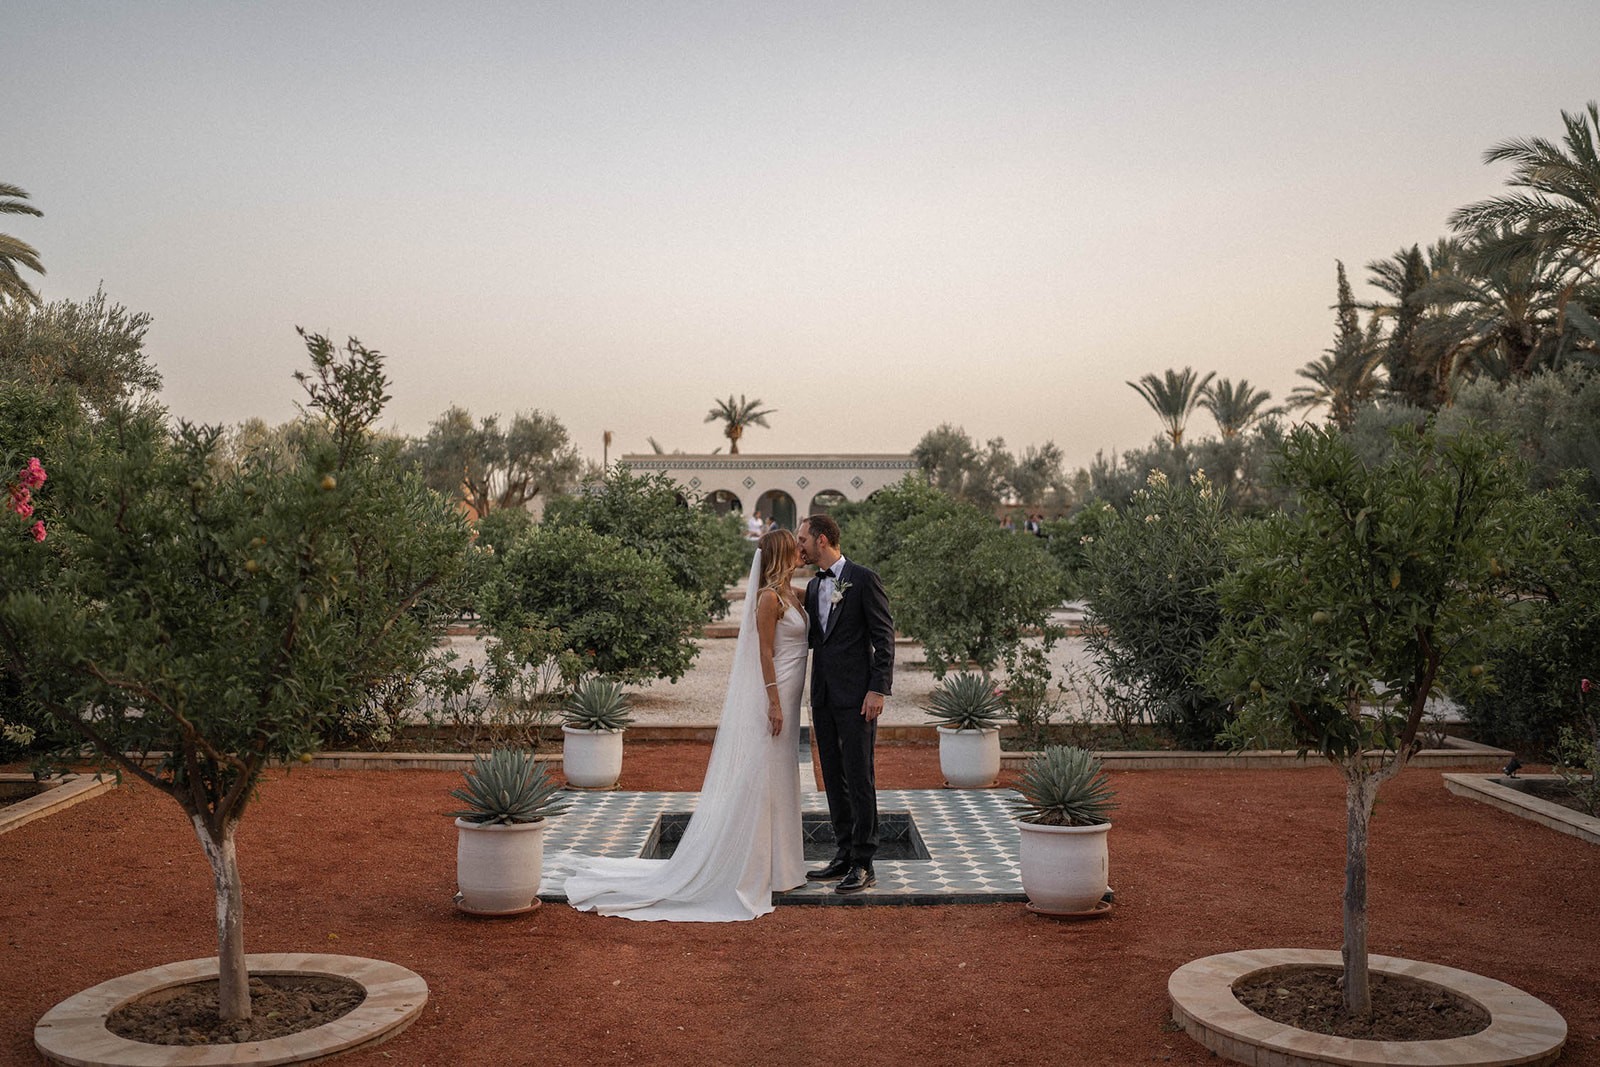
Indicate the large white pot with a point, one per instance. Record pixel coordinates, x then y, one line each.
498 866
969 759
591 759
1064 868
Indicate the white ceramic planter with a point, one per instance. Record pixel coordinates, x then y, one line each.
591 759
969 759
1064 868
498 866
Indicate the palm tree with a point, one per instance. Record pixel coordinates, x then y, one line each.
1235 407
736 415
1173 397
1561 210
15 253
1507 315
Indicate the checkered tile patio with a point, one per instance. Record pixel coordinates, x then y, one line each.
969 835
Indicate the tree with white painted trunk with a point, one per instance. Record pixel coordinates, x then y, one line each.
1345 613
197 622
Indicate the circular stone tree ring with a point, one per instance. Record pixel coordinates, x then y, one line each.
74 1031
1522 1029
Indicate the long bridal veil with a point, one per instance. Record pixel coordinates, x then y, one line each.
722 868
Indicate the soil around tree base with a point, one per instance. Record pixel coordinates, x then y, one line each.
280 1005
1402 1009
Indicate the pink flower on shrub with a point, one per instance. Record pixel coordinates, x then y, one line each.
32 476
1586 685
20 492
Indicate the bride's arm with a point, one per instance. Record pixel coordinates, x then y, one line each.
767 611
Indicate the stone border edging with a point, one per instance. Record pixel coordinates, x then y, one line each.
406 761
1522 1029
74 1031
1486 789
70 789
1457 753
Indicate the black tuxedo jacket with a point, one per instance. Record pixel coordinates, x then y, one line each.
855 655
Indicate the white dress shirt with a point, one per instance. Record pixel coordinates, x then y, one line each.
825 591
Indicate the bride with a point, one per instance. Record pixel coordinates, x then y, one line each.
744 840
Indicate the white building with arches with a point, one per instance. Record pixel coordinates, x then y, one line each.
784 488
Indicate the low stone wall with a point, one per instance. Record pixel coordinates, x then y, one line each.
1489 790
1456 753
58 794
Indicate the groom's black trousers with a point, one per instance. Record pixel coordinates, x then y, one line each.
844 747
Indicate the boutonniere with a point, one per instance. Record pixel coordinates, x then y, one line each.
838 592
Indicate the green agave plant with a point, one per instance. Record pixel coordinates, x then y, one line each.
966 701
507 786
596 704
1065 786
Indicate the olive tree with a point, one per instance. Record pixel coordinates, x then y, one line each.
196 622
1343 615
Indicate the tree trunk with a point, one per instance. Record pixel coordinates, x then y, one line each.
1361 789
233 981
734 433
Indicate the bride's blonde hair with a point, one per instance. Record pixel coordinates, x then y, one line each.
780 555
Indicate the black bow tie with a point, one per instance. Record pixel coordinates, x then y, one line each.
825 575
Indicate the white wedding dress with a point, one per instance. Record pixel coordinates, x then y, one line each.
744 840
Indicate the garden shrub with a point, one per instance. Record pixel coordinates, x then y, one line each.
873 530
1067 540
970 591
1549 638
1153 607
702 553
588 603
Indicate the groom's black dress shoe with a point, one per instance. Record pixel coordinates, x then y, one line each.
858 879
835 869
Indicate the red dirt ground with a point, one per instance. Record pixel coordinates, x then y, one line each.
1203 862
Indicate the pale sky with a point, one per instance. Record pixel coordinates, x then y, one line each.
874 217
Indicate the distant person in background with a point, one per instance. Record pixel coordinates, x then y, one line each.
1034 525
1007 525
754 527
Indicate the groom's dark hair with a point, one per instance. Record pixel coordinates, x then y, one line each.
823 526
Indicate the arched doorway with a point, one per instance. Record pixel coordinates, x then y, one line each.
722 501
778 506
824 502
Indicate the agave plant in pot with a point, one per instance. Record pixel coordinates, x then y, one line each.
1064 815
500 835
968 712
592 721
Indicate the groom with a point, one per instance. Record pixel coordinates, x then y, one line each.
852 668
